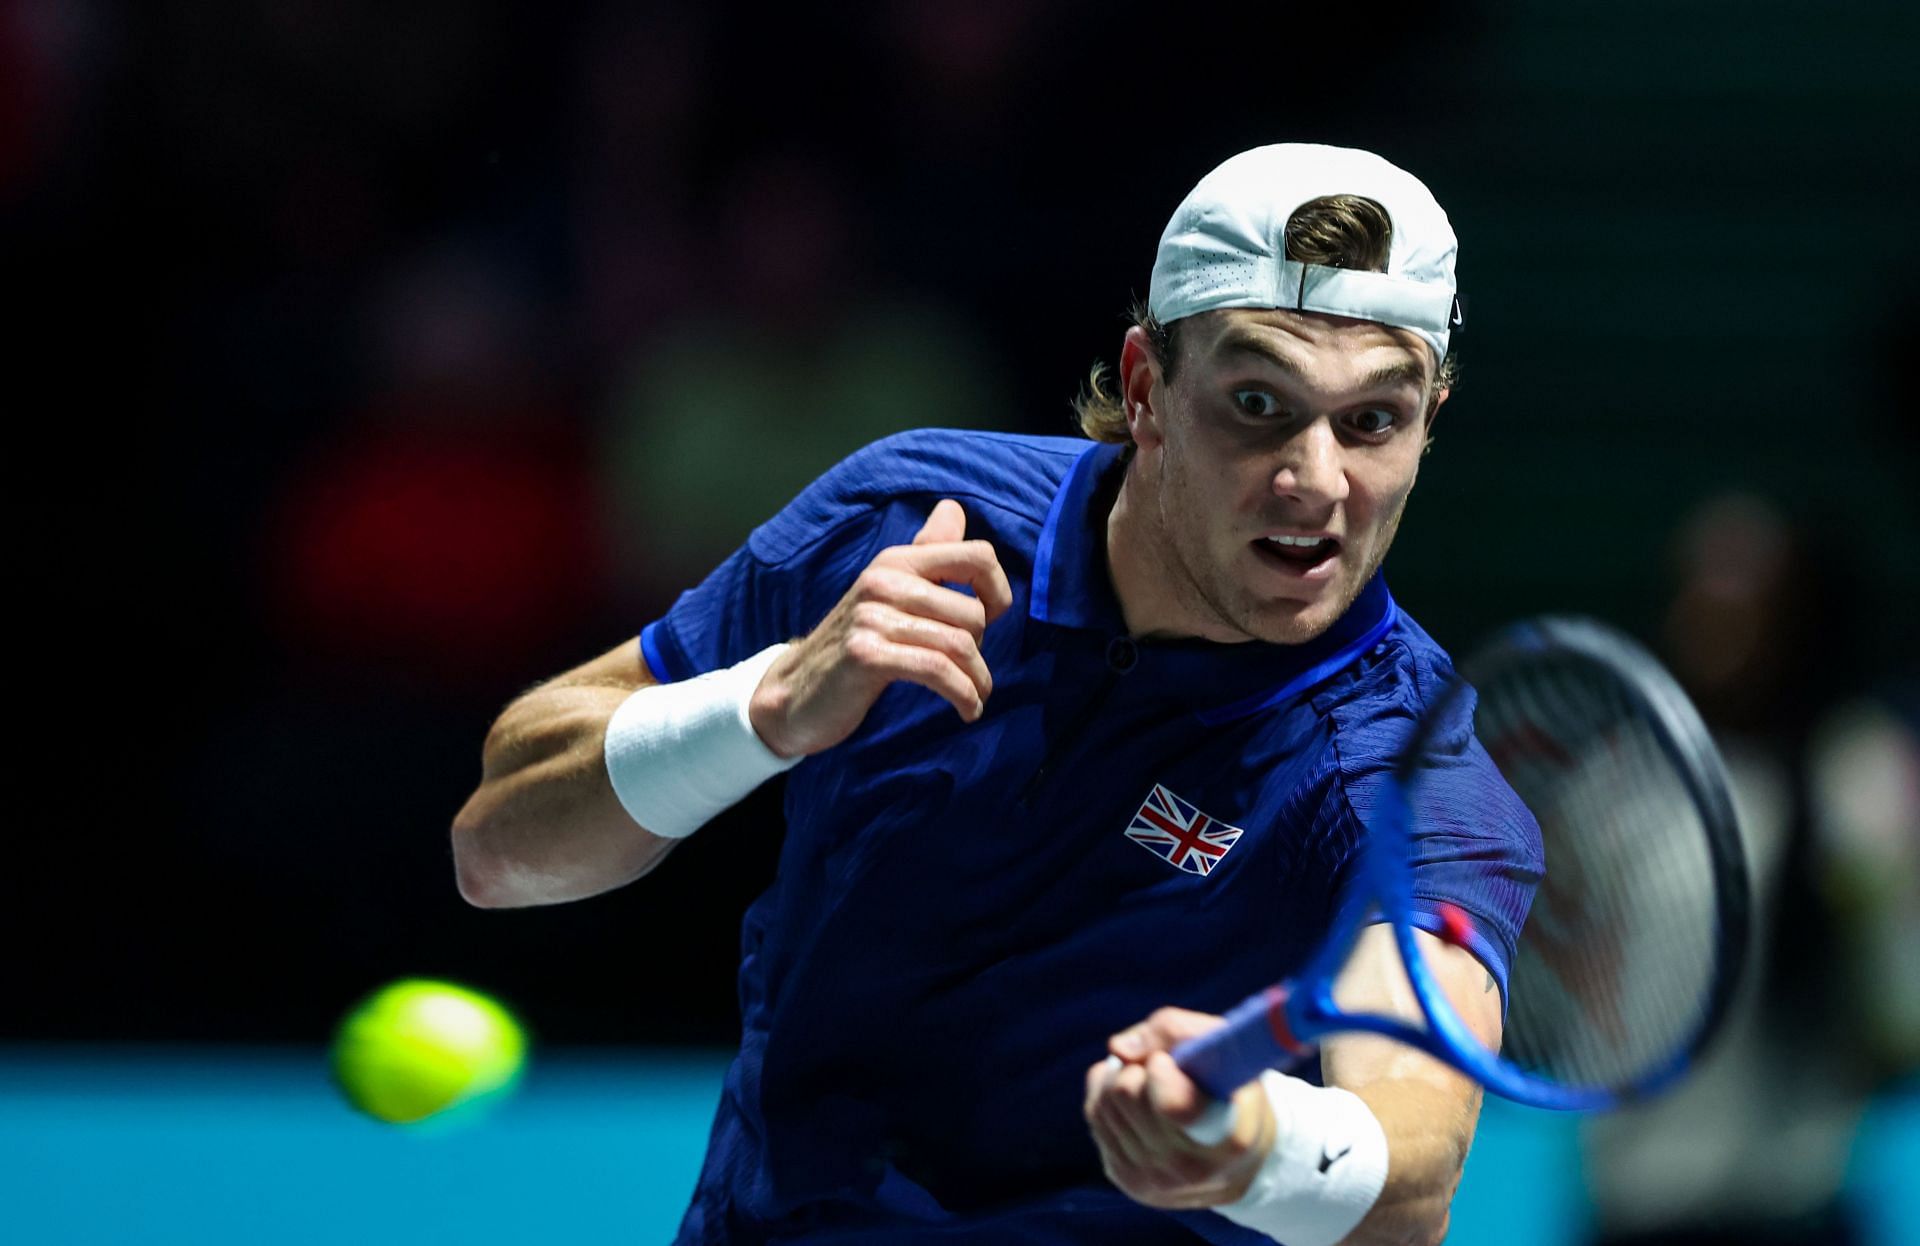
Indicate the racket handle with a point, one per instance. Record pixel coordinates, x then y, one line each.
1255 1038
1213 1125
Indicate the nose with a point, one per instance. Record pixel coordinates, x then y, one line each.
1311 469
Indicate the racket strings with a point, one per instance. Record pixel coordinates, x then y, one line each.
1612 970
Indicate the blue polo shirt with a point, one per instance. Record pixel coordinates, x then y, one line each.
964 912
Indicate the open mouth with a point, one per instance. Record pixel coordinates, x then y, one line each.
1299 554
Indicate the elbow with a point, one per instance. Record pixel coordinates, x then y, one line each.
479 877
477 887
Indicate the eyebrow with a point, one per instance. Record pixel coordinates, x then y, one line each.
1394 375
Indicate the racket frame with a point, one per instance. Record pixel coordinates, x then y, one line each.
1279 1027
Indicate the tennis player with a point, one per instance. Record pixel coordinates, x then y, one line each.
1082 735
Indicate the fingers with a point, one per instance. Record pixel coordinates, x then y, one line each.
1140 1106
957 643
1165 1029
947 523
940 552
914 594
972 563
1214 1125
1143 1153
901 604
899 620
1121 1096
1172 1093
887 660
1115 1094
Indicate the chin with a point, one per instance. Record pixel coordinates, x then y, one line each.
1297 622
1298 631
1292 623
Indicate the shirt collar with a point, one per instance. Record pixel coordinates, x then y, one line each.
1072 588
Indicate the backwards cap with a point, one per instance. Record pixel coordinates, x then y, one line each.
1226 245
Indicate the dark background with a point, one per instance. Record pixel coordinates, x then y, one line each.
388 358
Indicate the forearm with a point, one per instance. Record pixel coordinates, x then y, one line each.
1426 1110
544 825
577 770
1399 1119
1428 1129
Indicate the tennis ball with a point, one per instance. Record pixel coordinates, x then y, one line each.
419 1047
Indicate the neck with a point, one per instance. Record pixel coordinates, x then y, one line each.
1142 568
1128 534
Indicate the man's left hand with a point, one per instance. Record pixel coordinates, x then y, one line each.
1138 1104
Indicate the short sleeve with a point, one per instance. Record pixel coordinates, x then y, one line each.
1475 845
777 586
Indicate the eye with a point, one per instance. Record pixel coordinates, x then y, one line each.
1256 402
1374 422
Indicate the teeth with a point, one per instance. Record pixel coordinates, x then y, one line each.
1296 540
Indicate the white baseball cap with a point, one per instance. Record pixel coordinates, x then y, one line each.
1226 244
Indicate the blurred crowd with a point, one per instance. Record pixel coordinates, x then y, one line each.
1824 759
449 342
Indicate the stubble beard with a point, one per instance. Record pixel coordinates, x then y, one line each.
1209 591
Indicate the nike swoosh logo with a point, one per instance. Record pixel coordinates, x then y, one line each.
1328 1161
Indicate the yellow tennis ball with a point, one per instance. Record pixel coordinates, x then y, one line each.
420 1047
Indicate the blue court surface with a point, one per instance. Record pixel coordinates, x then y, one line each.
241 1145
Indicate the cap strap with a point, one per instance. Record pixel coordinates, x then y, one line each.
1364 296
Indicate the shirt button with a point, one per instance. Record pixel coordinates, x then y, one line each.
1122 654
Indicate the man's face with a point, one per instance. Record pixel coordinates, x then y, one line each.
1274 467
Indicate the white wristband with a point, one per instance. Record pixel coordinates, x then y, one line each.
1326 1169
680 753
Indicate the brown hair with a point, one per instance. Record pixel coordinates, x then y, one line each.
1338 231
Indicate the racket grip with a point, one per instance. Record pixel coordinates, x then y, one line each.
1255 1038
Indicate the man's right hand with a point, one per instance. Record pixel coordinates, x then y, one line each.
898 621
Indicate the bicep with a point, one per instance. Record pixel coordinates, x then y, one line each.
1374 980
624 667
564 714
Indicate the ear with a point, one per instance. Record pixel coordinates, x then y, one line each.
1140 387
1433 417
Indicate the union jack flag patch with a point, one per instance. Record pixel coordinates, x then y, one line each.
1171 828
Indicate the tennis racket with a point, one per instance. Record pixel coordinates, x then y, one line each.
1637 931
